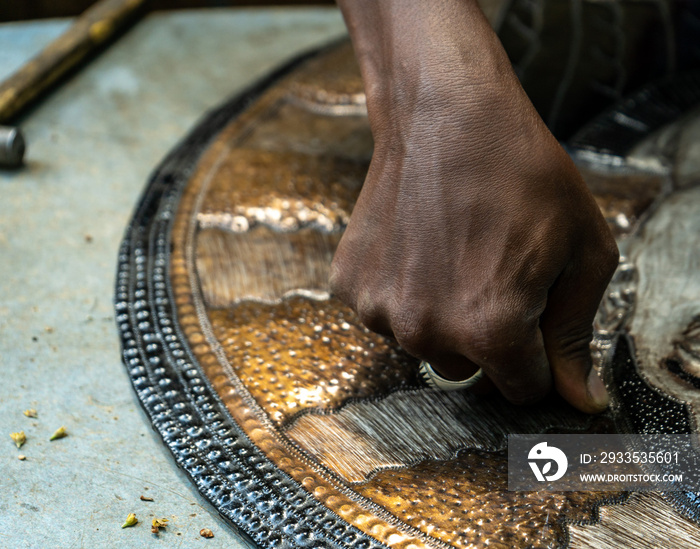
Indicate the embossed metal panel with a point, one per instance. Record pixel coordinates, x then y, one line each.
305 429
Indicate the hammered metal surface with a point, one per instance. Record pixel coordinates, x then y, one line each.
290 128
226 281
625 198
304 428
465 503
286 191
331 84
304 354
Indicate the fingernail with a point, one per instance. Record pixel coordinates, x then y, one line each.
597 390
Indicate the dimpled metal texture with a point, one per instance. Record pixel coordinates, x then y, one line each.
466 503
227 468
243 361
273 357
302 354
326 86
283 190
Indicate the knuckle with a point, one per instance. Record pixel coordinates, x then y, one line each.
500 331
409 327
341 282
373 311
336 275
603 255
371 314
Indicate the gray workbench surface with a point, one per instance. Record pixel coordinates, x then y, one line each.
92 144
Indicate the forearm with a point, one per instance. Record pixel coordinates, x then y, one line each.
410 51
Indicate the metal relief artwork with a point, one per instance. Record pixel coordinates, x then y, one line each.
305 429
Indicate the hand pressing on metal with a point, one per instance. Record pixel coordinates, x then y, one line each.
474 242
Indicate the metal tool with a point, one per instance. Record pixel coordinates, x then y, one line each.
12 147
90 31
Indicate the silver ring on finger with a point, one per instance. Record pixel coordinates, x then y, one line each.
436 381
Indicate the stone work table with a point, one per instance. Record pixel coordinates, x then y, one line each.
92 145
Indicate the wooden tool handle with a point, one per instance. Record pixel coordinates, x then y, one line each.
94 27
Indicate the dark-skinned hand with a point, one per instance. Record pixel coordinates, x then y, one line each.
474 242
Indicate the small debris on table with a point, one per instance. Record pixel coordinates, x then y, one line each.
88 238
131 520
18 438
59 433
48 329
145 498
30 413
206 533
21 457
157 524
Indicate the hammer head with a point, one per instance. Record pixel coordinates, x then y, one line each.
12 147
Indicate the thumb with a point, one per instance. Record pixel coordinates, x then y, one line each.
567 330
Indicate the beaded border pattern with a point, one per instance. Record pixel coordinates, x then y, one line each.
270 508
267 506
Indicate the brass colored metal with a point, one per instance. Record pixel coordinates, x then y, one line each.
226 281
331 84
278 168
331 405
625 198
304 354
286 191
289 128
464 502
244 410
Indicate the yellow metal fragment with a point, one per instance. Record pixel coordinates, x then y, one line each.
131 520
59 433
158 524
18 438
